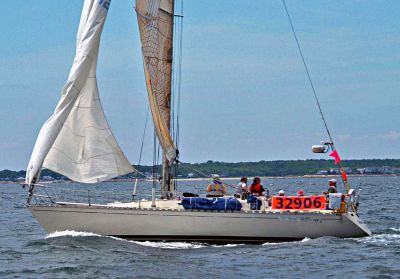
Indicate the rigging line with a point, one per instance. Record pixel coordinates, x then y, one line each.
154 186
176 68
176 80
158 165
140 156
175 72
204 174
308 73
139 172
154 158
345 182
143 136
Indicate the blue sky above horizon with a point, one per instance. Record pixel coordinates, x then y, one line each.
245 94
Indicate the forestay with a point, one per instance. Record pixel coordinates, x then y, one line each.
76 140
155 20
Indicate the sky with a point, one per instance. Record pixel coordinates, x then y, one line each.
245 93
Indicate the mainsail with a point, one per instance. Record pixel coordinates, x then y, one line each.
76 140
155 20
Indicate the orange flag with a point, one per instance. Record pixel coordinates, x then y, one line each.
344 175
335 155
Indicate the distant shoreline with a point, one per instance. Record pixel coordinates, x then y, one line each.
279 168
222 178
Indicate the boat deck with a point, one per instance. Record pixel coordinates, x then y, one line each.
174 205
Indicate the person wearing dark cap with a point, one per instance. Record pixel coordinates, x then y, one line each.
241 188
256 187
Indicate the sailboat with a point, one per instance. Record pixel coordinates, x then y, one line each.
77 142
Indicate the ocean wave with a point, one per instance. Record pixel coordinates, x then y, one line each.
80 234
161 244
395 229
182 245
277 243
170 245
227 245
380 239
71 233
286 242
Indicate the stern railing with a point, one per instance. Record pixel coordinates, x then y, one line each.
50 194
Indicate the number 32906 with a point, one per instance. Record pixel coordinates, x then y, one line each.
299 203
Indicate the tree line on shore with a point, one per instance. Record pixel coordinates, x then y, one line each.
261 168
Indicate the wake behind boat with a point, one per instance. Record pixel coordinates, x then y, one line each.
77 142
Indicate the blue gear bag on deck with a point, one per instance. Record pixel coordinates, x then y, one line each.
254 202
211 204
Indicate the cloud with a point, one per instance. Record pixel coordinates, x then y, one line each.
344 138
391 135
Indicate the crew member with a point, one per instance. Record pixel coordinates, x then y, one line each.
216 188
331 190
281 193
241 189
300 193
332 187
256 187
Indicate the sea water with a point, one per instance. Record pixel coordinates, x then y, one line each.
26 251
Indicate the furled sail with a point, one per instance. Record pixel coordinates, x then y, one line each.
155 20
76 140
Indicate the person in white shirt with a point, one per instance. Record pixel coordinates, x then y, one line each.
241 188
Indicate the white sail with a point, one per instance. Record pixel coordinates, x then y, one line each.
76 141
155 20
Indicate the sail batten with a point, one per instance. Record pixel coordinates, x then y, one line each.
155 20
76 141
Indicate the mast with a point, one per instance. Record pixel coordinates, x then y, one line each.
155 20
167 190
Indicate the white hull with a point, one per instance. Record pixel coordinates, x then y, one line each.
209 226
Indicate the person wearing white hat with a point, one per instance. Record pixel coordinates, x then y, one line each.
332 186
281 193
215 188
